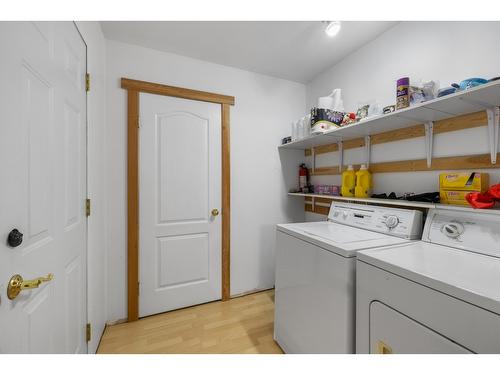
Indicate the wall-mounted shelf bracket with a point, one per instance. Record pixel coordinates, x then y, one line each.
429 141
493 125
341 155
368 148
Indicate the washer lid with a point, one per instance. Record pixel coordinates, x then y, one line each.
341 239
341 234
471 277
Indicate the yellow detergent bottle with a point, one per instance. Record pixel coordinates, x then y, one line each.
348 182
363 182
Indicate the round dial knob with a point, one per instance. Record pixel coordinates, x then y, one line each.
391 222
453 229
344 214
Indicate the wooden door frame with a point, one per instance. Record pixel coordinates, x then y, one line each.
133 88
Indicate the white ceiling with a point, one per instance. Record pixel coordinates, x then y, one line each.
293 50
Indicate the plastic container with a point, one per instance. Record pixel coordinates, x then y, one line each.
363 183
403 93
348 182
307 125
295 131
300 129
469 83
326 189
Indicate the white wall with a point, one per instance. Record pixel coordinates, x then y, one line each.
264 108
444 51
96 181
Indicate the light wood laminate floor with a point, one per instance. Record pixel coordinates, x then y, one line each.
240 325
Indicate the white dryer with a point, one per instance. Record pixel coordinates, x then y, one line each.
438 295
315 273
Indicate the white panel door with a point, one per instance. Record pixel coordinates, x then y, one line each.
43 186
180 185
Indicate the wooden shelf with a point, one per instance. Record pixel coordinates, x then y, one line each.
460 103
395 202
390 202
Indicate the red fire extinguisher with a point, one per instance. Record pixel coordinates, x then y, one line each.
303 178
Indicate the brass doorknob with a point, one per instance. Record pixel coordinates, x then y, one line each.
17 284
383 348
215 212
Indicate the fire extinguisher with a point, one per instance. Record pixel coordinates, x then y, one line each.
303 178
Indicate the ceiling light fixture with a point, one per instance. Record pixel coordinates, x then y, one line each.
332 28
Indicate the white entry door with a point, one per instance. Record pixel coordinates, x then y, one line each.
43 187
180 196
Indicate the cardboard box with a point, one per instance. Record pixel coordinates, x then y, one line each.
454 197
454 186
464 181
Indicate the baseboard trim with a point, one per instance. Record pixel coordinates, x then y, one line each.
253 291
117 321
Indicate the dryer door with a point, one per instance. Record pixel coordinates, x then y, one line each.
392 332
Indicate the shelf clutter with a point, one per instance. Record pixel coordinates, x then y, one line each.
463 109
484 97
475 107
322 198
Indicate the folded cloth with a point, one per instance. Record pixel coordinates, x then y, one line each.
480 200
494 191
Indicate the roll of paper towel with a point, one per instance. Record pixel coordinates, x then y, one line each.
332 101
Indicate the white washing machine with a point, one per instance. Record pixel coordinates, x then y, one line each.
438 295
315 273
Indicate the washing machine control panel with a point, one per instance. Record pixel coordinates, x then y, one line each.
393 221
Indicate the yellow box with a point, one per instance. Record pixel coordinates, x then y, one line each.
454 197
464 181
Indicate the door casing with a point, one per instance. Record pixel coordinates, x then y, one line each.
133 88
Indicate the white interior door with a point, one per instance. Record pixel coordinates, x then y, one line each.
180 185
43 186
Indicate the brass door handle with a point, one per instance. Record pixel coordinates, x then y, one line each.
17 284
215 212
383 348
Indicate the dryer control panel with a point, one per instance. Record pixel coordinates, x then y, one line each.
477 231
393 221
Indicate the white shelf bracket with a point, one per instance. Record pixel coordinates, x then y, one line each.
341 155
368 147
493 124
429 141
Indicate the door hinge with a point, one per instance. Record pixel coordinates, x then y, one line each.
89 332
87 207
87 82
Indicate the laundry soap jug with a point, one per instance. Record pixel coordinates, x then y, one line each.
348 182
363 182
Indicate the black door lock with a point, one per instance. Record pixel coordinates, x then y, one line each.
15 238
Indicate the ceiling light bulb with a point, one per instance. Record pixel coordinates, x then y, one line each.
332 28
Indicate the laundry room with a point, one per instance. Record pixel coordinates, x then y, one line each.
278 187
